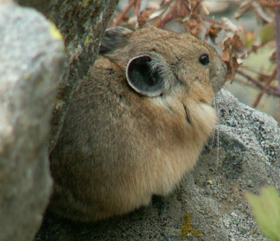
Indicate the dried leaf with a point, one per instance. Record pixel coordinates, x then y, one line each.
227 53
233 52
144 16
212 32
193 26
158 12
238 46
229 26
157 17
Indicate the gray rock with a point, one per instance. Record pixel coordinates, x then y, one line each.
82 24
31 58
243 154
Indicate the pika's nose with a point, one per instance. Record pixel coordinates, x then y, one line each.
222 69
220 77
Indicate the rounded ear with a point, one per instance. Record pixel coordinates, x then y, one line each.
146 74
113 37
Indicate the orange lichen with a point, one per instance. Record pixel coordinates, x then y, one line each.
187 229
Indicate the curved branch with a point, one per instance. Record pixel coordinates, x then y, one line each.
269 90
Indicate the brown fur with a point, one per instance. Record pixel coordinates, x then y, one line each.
117 147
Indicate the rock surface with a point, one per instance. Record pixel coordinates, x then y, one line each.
243 154
31 57
82 24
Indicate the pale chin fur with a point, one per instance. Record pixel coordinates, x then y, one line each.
198 131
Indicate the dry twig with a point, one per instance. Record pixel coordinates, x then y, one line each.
268 89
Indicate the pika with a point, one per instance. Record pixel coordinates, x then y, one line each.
136 124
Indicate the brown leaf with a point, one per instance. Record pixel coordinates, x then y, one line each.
238 46
144 16
192 26
233 52
157 17
229 26
212 32
227 50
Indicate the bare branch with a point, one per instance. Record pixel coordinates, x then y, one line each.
120 17
268 81
269 90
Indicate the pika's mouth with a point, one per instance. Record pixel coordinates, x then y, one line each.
187 114
220 79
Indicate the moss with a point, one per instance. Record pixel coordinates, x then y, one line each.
85 24
64 2
85 3
87 39
186 228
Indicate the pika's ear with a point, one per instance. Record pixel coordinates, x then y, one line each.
113 37
147 74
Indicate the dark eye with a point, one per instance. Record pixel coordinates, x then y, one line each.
204 59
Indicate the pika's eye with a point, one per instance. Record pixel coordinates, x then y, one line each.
204 59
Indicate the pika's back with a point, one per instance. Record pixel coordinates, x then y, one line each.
136 124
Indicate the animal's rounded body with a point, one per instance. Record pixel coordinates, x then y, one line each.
136 124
